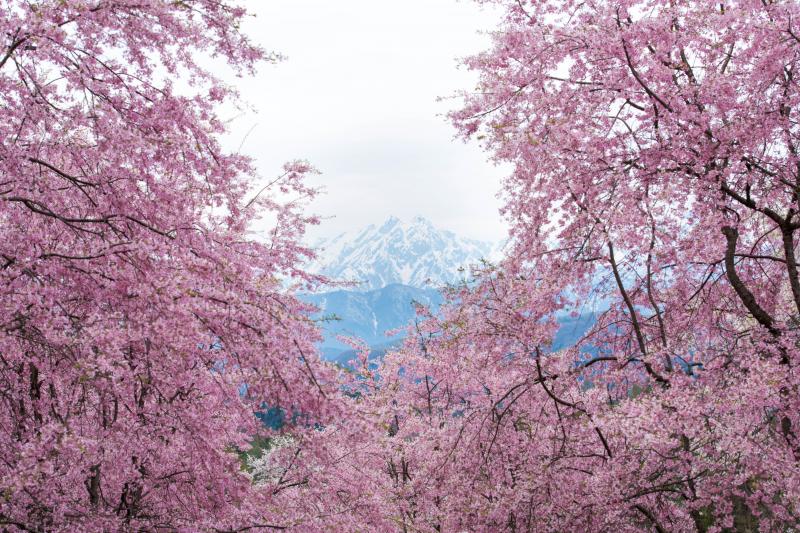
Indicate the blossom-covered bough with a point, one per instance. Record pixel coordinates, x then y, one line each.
133 305
656 182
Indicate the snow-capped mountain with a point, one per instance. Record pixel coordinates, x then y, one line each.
399 264
410 253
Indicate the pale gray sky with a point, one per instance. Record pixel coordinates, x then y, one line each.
357 97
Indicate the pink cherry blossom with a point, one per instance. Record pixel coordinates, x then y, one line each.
134 305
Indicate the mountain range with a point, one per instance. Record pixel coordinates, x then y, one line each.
414 253
395 265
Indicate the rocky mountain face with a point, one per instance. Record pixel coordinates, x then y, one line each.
414 253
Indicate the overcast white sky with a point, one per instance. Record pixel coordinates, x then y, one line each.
357 97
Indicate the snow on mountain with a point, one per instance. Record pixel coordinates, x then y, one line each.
398 264
410 253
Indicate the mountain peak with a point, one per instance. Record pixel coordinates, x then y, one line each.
415 253
390 223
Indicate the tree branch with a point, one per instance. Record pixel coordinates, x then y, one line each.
747 298
639 79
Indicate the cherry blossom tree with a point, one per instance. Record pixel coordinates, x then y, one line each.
140 325
655 190
654 146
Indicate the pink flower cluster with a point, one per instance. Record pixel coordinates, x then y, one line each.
132 304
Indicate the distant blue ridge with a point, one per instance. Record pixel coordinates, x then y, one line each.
369 314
